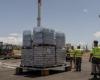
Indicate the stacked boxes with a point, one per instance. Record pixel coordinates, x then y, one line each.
60 52
60 56
27 57
49 37
44 56
37 36
43 36
60 40
45 48
27 39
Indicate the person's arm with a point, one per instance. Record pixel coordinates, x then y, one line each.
91 55
82 52
74 53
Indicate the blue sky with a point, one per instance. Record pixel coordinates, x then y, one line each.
78 19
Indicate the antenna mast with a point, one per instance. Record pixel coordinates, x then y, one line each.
39 14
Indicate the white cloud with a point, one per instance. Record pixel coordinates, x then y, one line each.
81 43
85 10
12 38
14 34
97 34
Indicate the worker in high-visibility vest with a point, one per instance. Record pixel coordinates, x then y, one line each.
67 55
95 59
78 58
72 56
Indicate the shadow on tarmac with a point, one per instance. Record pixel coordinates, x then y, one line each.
94 79
34 74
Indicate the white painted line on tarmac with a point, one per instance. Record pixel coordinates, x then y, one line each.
7 65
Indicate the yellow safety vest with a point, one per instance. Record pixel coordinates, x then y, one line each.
96 52
78 53
72 53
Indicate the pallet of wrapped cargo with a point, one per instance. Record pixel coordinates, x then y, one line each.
60 56
44 56
60 40
27 39
27 57
40 50
49 37
37 36
43 36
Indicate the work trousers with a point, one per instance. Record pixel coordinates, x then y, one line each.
78 61
72 62
95 66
